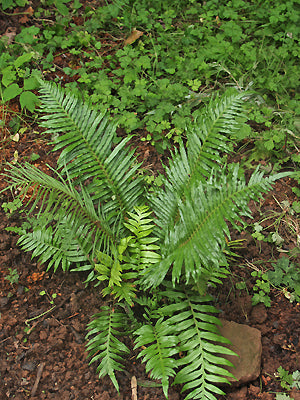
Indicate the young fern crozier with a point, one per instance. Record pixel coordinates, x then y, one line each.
95 215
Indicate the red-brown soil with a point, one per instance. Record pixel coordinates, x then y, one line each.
49 361
42 350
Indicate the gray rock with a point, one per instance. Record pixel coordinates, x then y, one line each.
246 342
29 365
3 301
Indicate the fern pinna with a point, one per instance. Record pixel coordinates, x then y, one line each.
95 215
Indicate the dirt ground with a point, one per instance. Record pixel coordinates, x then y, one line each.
42 349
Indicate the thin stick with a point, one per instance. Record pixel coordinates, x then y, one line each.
134 388
38 377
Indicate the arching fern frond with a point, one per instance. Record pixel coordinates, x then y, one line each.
209 134
207 137
158 354
103 343
86 143
197 239
55 246
191 319
78 223
182 343
164 201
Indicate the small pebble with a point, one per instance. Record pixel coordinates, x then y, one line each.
29 366
3 301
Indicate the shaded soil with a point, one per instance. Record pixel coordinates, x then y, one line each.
42 349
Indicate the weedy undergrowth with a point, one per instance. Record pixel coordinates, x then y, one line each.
12 276
287 380
159 79
158 250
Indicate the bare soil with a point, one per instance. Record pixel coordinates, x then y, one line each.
49 360
42 350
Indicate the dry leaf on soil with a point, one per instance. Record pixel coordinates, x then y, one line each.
27 13
135 34
10 33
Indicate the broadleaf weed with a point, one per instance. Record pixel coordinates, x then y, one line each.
159 79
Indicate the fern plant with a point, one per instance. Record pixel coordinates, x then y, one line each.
95 215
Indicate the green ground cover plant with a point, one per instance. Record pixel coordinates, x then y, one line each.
158 251
261 289
11 74
284 277
186 50
12 277
269 227
288 380
7 4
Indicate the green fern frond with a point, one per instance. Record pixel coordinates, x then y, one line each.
133 253
207 137
160 348
209 134
103 343
197 240
191 319
87 149
73 212
139 223
126 291
232 245
142 249
164 201
54 246
52 193
108 268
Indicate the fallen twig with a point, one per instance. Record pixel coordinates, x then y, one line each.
38 377
134 388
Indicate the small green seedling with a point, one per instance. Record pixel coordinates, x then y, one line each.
51 299
262 289
12 276
287 380
257 231
12 206
286 277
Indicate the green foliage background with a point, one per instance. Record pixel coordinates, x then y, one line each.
188 49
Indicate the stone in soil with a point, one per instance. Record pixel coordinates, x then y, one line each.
246 342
